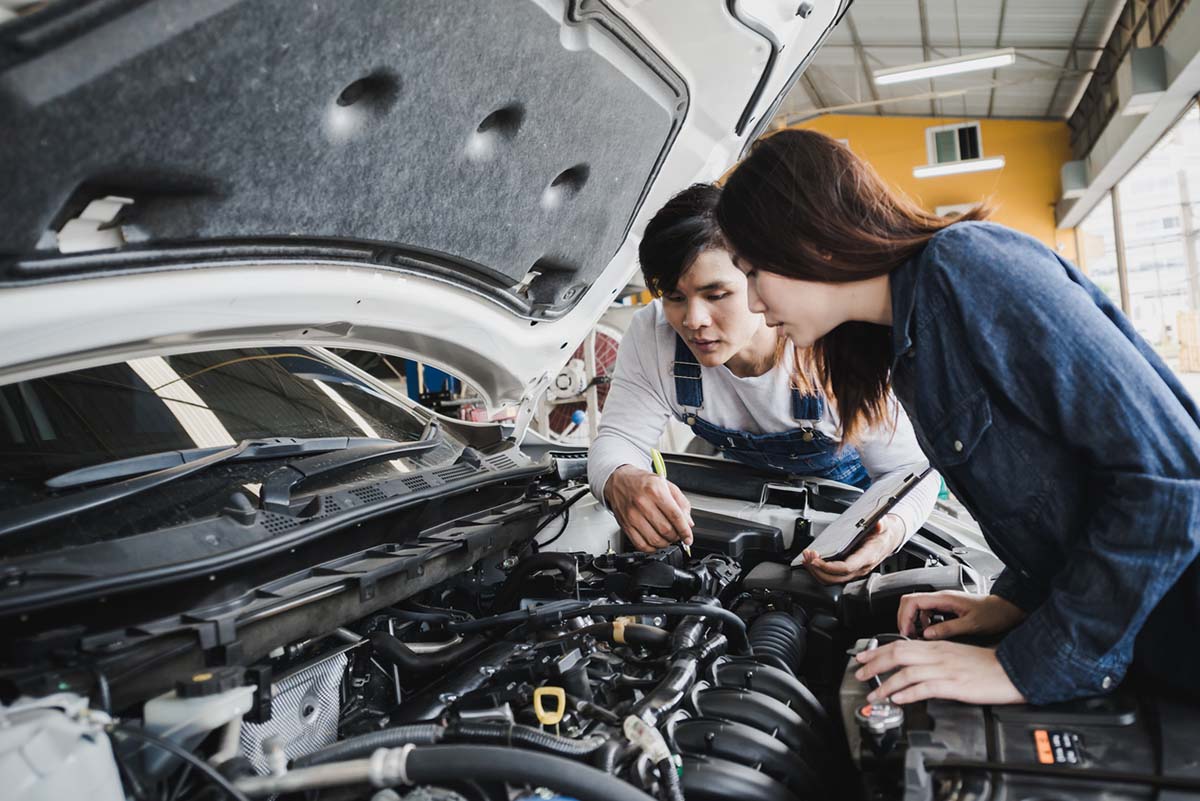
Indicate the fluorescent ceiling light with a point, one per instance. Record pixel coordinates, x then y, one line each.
946 66
956 167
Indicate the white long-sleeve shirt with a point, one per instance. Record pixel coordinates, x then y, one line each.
641 399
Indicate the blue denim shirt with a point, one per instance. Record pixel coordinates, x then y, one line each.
1073 445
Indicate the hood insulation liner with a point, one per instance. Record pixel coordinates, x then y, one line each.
477 140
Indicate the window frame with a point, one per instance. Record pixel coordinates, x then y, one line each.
931 145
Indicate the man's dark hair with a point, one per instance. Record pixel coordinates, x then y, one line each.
679 232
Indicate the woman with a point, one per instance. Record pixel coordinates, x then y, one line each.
698 354
1068 439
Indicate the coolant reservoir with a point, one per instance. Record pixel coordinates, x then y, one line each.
197 706
51 748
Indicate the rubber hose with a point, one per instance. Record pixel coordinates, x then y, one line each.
635 634
510 591
670 692
557 613
410 662
670 781
442 763
736 626
365 744
509 734
778 639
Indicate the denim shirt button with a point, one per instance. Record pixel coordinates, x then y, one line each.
1107 683
958 446
807 436
690 420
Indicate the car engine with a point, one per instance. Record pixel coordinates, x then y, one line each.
545 672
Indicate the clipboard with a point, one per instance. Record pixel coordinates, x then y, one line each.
843 535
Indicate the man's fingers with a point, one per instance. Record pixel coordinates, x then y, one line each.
679 519
683 502
657 521
646 532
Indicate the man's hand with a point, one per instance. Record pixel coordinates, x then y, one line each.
652 511
949 670
877 546
974 614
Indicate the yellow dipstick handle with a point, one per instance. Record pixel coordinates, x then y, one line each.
549 717
660 470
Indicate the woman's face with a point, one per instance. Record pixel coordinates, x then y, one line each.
709 309
803 311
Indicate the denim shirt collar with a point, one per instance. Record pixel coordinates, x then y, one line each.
903 284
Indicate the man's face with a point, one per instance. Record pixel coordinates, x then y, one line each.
709 309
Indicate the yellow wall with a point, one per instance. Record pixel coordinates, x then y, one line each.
1022 192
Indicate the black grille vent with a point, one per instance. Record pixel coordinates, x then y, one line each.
452 473
416 483
277 523
368 494
502 462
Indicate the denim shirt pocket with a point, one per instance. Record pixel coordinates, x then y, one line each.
966 422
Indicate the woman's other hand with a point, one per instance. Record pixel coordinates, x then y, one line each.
877 546
653 512
950 670
973 614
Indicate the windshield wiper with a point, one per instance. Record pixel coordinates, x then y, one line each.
269 448
276 493
84 500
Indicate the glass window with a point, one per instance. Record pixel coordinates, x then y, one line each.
1098 249
1158 209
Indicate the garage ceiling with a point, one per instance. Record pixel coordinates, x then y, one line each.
1057 43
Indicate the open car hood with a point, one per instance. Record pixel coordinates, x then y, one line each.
449 180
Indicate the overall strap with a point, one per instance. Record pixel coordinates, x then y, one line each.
807 407
689 388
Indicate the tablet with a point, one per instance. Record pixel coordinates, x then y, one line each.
843 535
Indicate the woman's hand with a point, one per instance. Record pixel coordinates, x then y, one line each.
973 614
877 546
652 511
950 670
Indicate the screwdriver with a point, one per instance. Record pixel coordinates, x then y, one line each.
660 470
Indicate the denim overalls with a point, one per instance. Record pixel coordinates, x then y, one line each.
801 451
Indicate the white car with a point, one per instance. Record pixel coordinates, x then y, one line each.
234 565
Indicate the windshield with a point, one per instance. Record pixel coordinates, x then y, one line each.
214 399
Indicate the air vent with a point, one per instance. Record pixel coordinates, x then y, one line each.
502 462
416 483
456 472
277 523
369 494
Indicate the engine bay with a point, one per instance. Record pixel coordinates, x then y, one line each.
541 665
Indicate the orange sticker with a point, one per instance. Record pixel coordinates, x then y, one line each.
1045 754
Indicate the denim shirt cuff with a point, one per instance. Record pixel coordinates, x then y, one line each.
1023 594
1031 648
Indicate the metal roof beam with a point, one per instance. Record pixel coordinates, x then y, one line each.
1087 10
814 94
999 37
861 56
952 46
925 50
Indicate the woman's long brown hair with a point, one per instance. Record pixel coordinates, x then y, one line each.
802 205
